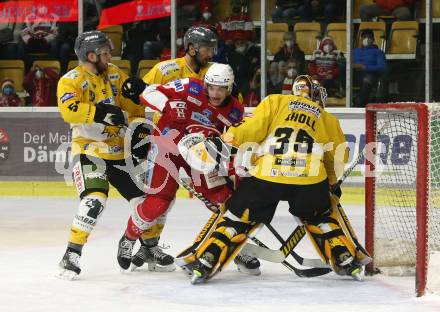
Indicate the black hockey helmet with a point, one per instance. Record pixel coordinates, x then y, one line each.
199 37
91 41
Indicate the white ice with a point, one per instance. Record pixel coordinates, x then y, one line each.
33 235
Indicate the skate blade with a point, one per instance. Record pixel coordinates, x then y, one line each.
197 278
357 274
134 268
67 275
154 267
242 269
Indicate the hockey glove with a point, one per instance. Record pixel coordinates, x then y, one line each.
132 88
109 115
336 190
140 142
218 149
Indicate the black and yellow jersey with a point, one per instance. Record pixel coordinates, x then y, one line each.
298 141
77 93
177 68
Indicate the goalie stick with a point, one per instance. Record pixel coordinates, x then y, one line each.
258 252
280 255
312 272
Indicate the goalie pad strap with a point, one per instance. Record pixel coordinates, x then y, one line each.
222 237
331 234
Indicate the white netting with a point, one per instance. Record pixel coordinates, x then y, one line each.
395 197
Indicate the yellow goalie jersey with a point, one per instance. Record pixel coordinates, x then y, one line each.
167 71
298 141
77 93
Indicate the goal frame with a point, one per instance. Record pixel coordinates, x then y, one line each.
422 112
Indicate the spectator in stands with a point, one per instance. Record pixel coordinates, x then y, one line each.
237 26
67 33
253 98
206 18
288 71
321 8
244 58
9 97
9 38
290 50
40 35
401 9
292 71
286 11
166 52
369 64
187 12
145 40
41 84
325 66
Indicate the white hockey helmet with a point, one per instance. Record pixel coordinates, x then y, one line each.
220 75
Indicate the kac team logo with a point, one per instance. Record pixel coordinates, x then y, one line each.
4 145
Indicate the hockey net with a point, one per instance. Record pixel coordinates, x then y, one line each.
403 191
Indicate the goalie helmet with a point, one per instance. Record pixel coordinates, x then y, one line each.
220 75
306 86
91 41
199 37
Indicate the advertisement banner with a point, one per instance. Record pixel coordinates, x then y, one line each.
121 12
32 145
35 144
41 10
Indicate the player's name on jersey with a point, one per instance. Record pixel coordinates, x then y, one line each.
301 118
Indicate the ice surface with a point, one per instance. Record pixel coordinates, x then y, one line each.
33 235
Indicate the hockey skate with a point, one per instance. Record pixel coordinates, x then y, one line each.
187 264
346 263
69 265
156 259
202 268
125 250
247 264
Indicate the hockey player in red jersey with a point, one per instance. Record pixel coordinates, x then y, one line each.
187 105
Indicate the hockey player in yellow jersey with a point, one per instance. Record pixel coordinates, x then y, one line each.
301 151
200 45
89 98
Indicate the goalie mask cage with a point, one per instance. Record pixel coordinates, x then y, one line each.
402 189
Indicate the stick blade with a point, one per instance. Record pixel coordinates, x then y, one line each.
263 253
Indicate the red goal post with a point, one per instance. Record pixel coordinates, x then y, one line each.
402 195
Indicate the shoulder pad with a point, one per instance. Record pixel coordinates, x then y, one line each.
168 67
72 74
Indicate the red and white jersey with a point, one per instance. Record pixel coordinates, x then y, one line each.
200 115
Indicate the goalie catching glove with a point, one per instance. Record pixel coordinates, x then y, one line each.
205 154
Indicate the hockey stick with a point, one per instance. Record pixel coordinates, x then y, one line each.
288 245
203 234
286 249
312 272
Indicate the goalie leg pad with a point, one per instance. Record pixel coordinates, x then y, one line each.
221 246
329 239
361 254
